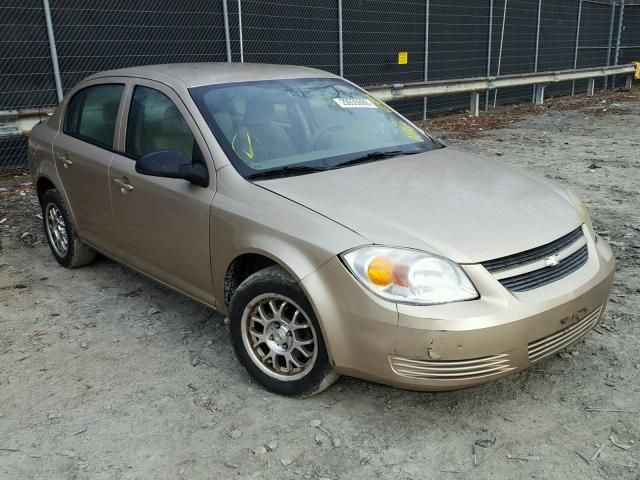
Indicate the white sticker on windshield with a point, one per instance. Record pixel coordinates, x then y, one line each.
355 103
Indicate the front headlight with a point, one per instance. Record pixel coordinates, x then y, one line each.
409 276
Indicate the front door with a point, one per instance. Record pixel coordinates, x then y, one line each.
162 224
83 151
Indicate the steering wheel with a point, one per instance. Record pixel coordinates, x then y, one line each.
322 131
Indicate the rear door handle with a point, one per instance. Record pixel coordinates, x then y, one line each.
64 159
122 183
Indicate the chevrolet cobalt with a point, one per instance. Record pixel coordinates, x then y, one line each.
337 237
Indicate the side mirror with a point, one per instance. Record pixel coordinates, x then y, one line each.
172 164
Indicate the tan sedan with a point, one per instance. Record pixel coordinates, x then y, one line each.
337 237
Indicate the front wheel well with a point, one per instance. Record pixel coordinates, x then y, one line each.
240 269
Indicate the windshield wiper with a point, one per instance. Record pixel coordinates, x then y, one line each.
285 172
374 156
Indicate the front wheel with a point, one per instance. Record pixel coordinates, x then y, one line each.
276 335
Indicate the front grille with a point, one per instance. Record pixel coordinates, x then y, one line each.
557 341
546 275
451 369
534 254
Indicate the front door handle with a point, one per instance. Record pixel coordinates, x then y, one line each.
64 159
123 184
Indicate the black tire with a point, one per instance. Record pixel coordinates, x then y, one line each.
77 253
274 280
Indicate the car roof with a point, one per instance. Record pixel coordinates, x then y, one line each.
197 74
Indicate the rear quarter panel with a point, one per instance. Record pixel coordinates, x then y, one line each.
40 152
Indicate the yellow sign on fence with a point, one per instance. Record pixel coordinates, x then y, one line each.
403 58
637 74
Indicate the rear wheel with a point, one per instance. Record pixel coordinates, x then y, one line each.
276 335
63 241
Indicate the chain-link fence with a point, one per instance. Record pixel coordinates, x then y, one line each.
367 41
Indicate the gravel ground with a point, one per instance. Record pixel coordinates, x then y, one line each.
106 375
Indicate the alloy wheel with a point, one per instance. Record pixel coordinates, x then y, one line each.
279 337
56 230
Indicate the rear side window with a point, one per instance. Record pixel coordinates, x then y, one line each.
155 123
92 112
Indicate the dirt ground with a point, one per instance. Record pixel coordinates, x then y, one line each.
106 375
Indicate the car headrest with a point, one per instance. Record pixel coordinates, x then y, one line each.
259 111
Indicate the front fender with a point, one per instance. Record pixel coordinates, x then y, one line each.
246 218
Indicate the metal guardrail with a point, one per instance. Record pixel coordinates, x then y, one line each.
19 122
477 85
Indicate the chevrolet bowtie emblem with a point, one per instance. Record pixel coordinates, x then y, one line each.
552 261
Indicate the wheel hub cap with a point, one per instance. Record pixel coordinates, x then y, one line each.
279 338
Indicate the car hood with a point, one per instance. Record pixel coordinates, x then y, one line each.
445 201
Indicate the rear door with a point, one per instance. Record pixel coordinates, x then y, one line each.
83 151
162 224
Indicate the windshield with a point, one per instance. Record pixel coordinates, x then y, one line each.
303 125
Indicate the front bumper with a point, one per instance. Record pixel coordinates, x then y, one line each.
457 345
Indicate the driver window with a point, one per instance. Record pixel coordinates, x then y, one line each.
155 123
